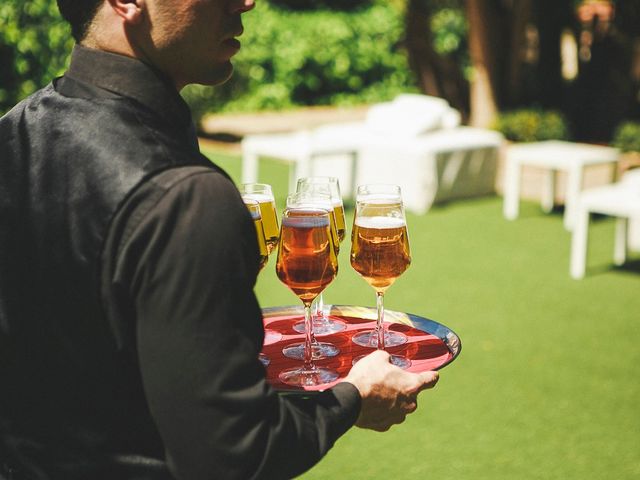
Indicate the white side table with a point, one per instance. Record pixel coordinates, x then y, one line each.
621 200
302 148
553 155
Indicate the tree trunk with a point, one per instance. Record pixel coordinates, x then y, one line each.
436 75
552 17
520 16
482 50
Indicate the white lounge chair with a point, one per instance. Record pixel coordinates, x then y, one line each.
621 200
414 141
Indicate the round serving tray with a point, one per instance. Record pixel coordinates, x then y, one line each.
430 345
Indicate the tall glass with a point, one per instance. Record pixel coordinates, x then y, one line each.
322 323
263 194
314 199
254 209
306 263
380 254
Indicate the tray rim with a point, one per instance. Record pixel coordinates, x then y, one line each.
450 338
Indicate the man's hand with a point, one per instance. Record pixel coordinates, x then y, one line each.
388 393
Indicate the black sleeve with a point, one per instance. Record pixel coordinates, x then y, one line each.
188 260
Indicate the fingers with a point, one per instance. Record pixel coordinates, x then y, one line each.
428 380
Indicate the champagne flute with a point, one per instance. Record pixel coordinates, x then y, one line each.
314 199
323 324
306 263
254 210
380 254
263 194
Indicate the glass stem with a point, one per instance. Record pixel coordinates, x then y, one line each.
320 307
308 339
380 324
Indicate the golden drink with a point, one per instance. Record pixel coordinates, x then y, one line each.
270 224
333 228
269 217
338 211
307 261
254 210
380 250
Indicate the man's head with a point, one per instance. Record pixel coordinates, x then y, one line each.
192 41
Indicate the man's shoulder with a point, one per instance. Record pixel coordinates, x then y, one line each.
28 103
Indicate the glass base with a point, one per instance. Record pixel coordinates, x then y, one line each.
397 360
271 336
264 359
319 350
369 338
308 377
322 326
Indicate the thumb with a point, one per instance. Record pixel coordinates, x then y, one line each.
380 356
428 379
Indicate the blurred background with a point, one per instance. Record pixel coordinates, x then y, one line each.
548 382
571 68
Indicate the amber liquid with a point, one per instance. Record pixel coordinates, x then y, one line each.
270 224
380 250
333 229
307 261
262 244
338 211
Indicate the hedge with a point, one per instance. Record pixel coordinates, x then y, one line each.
322 57
290 57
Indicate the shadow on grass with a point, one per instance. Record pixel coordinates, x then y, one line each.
631 267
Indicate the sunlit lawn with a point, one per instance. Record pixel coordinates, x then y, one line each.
548 382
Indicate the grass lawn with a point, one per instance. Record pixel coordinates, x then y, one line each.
548 382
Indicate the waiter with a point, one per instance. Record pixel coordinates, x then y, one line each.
129 330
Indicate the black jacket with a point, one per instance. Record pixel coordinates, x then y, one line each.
124 354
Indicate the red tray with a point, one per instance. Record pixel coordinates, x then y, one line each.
431 345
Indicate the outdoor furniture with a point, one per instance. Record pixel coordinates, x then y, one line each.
553 155
303 149
621 200
433 167
414 141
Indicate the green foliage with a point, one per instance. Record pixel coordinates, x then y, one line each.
291 58
315 4
532 125
34 47
449 29
627 137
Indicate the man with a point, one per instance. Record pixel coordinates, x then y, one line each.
129 331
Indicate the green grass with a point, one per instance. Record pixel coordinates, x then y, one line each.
548 382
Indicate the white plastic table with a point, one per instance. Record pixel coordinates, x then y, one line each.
301 149
553 155
621 200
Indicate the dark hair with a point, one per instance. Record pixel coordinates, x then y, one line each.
79 14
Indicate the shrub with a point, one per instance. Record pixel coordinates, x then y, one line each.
315 4
344 52
34 48
322 57
532 125
627 137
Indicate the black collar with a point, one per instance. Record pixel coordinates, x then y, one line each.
131 78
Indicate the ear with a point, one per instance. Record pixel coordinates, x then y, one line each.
131 11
